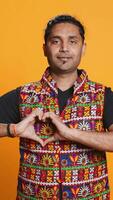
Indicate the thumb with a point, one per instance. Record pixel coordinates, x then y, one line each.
50 139
37 139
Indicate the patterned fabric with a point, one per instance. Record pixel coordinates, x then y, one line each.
63 170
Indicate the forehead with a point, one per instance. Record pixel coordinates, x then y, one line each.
66 29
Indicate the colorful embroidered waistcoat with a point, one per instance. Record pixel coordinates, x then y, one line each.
63 170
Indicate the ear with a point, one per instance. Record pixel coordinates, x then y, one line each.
83 48
44 50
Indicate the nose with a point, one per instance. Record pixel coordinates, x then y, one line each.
64 46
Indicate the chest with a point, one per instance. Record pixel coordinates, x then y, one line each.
82 110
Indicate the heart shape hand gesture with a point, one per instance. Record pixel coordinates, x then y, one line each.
25 128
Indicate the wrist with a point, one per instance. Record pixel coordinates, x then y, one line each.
68 133
73 134
11 130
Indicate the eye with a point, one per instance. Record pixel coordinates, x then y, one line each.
55 41
73 41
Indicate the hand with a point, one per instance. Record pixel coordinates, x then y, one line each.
53 138
62 130
25 128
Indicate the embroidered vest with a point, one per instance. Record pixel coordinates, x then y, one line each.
63 170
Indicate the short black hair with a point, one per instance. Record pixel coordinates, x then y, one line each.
63 19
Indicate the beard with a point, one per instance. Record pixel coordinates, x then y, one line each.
63 67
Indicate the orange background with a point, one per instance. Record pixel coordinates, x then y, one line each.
22 25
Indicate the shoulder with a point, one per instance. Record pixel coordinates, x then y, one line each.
11 95
31 87
95 86
30 92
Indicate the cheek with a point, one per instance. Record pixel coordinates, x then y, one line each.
77 53
53 54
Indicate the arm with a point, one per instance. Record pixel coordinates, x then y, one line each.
9 111
3 130
24 129
102 141
9 114
9 107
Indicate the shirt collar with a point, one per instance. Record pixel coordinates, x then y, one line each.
47 78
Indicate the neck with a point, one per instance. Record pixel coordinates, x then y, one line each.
65 81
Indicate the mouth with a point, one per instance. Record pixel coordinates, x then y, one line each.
63 58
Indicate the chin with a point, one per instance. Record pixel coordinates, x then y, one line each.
63 70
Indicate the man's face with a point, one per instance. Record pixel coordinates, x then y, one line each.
64 48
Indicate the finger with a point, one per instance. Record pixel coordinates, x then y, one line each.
50 139
31 117
39 140
49 115
39 113
45 116
55 119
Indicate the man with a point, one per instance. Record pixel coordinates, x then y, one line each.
63 135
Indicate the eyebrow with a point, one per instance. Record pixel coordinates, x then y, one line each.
52 37
74 37
59 37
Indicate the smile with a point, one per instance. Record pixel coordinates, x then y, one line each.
64 58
